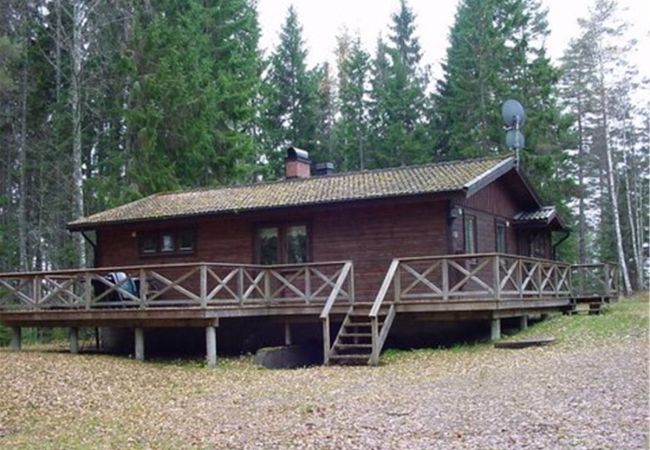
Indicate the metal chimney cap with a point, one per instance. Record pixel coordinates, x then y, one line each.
297 154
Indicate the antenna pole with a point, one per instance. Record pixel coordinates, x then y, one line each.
517 142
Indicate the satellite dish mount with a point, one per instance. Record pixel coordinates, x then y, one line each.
514 117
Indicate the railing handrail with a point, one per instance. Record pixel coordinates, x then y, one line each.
336 290
484 255
164 266
383 290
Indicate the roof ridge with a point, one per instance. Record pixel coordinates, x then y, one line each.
334 175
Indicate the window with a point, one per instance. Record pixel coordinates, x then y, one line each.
267 242
177 242
282 244
296 241
149 244
501 242
186 240
470 233
167 243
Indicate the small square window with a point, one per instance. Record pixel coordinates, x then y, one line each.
167 242
186 241
149 244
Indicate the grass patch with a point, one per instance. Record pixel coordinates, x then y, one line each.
626 318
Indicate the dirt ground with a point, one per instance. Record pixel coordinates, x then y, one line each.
589 391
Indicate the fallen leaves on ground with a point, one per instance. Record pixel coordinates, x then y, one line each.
590 395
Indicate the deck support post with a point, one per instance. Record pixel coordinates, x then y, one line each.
496 330
16 339
73 334
139 344
523 323
287 333
211 346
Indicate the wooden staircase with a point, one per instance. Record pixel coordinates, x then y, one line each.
361 336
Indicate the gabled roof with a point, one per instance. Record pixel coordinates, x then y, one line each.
466 175
540 217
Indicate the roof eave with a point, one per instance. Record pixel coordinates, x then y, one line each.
489 176
88 226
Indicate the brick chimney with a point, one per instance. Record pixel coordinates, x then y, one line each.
297 164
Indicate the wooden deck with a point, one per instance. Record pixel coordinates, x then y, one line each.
487 286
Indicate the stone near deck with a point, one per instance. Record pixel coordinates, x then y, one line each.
524 343
288 357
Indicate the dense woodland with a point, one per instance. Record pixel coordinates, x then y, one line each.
106 101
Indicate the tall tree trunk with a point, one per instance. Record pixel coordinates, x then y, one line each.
75 98
582 231
22 164
638 266
613 197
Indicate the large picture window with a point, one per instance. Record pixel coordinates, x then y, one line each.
469 225
164 243
282 244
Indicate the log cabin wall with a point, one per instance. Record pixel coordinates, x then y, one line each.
368 234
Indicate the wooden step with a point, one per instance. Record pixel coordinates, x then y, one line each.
366 335
353 346
363 359
358 324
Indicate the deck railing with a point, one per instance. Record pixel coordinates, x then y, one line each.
175 285
467 277
493 276
595 280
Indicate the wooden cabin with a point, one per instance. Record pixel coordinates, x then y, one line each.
453 240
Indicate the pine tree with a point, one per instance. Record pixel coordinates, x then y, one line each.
290 103
192 106
399 102
352 126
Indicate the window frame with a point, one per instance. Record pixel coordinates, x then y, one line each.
282 252
500 223
466 220
157 235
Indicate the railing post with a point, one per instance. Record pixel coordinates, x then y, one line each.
267 285
556 279
606 279
144 287
351 284
520 277
326 340
203 288
445 279
397 285
88 289
374 326
538 265
240 285
497 278
307 285
36 294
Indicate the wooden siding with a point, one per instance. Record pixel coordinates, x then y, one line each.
369 235
494 202
497 201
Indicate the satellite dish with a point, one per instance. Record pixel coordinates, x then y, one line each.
513 113
515 139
